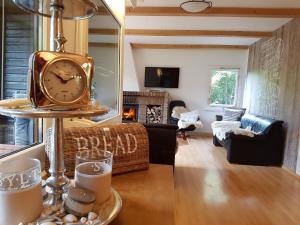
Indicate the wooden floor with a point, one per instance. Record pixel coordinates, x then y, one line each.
210 191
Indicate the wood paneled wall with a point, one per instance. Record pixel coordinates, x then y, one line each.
273 83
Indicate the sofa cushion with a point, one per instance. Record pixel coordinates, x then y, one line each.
177 111
233 114
191 117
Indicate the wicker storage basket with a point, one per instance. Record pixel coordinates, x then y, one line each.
128 142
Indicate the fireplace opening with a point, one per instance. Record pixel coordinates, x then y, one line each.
130 113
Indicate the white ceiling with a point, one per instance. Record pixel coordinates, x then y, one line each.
227 3
191 40
204 23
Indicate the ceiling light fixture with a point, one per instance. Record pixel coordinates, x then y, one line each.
195 6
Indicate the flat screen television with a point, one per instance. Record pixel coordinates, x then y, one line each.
165 77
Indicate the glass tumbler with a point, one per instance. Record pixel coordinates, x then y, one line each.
21 198
93 172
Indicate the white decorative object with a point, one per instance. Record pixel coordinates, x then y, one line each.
49 223
70 218
79 201
92 216
20 184
220 128
83 220
93 172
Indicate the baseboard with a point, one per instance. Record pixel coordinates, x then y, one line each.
294 174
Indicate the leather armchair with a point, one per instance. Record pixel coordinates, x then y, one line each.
173 104
265 148
162 143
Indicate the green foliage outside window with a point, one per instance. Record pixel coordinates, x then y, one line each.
223 87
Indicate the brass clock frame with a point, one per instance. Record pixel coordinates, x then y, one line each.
45 90
40 97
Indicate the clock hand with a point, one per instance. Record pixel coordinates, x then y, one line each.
59 76
56 74
66 77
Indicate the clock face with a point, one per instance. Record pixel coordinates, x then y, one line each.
64 81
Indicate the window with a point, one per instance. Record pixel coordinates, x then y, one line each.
223 89
19 38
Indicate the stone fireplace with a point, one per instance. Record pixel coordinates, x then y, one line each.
152 106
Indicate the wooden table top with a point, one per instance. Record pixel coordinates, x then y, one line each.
148 196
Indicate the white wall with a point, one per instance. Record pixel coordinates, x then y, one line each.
195 69
130 81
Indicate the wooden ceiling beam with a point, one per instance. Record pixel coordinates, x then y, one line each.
185 46
157 32
216 11
103 45
223 33
103 31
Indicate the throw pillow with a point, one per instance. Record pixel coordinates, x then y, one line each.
244 132
177 110
233 114
191 117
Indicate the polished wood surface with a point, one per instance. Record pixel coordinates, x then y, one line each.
148 196
158 32
103 31
210 191
103 45
216 11
222 33
186 46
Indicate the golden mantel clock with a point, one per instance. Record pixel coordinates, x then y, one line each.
59 80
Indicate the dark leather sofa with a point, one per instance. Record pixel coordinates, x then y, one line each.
265 148
162 143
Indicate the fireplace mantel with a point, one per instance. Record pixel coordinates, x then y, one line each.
145 99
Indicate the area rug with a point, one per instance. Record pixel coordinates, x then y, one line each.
182 142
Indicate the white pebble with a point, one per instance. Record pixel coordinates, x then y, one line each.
83 219
70 218
92 216
48 223
97 221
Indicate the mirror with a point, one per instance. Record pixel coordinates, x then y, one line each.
104 47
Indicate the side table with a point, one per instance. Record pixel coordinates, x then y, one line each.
148 196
